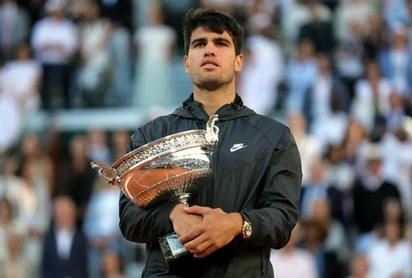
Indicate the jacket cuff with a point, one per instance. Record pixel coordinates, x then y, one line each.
164 224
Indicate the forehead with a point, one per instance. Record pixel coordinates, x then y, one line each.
202 33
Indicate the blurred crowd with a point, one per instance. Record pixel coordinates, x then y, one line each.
338 73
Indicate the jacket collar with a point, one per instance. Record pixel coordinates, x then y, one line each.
193 109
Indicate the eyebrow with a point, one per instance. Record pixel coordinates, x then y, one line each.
218 39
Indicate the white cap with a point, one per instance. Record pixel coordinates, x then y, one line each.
373 152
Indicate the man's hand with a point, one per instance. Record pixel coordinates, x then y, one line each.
216 230
183 221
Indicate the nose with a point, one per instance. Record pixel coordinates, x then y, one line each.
209 50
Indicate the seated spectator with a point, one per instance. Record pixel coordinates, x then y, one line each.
318 188
370 192
391 255
65 246
327 261
359 266
111 265
15 264
101 224
24 90
292 261
336 239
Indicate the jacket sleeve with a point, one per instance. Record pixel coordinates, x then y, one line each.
277 208
143 224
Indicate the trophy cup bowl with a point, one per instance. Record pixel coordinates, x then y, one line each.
170 168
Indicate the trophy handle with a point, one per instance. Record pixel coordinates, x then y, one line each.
212 130
108 173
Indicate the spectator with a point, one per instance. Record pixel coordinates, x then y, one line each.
11 117
317 29
294 16
347 13
301 73
32 149
309 146
24 90
292 261
371 100
97 146
155 46
331 130
101 225
16 264
120 140
349 56
112 265
121 58
328 89
339 172
263 66
397 168
370 192
327 261
64 246
359 266
395 61
317 188
93 73
9 226
336 239
14 28
55 43
11 184
391 255
76 175
33 211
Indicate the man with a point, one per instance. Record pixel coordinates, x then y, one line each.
251 204
65 246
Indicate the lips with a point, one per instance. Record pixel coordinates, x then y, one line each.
209 62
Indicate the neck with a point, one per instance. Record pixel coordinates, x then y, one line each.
212 100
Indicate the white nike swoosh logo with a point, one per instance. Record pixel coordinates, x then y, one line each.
237 147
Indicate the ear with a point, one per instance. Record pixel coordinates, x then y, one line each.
186 63
238 63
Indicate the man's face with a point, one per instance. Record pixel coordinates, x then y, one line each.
211 61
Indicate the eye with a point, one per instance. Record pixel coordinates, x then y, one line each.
221 43
199 44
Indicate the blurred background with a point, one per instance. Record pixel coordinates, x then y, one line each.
77 77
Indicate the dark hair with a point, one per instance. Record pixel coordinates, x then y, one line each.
213 21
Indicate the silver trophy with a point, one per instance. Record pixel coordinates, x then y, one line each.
171 168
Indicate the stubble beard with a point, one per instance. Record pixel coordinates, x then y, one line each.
211 84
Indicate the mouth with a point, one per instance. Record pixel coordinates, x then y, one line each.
209 63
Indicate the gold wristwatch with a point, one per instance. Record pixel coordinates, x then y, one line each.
246 229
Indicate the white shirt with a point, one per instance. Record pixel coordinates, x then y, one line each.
64 240
62 34
293 264
386 261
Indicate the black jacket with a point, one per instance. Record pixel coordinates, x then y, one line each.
53 266
261 180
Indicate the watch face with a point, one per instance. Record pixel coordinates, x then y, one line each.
247 229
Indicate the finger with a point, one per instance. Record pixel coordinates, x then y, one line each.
197 210
190 235
198 245
206 252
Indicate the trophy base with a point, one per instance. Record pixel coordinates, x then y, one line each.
171 248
